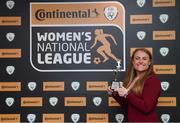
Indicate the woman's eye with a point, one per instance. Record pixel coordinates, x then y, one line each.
145 58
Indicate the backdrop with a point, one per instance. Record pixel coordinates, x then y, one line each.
55 65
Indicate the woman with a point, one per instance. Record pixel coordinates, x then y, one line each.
141 88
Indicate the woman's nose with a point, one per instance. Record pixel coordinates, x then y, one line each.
140 61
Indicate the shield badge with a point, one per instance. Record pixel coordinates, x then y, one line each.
119 118
9 101
141 35
32 86
165 118
164 18
10 69
164 86
110 12
97 101
141 3
10 36
53 101
75 117
164 51
10 4
31 118
75 85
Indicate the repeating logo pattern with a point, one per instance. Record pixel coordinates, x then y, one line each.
31 118
141 35
9 101
75 85
164 51
53 101
75 117
97 101
164 18
32 86
141 3
10 69
119 118
165 118
110 13
164 85
10 4
10 36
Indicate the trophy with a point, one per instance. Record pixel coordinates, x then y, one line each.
115 84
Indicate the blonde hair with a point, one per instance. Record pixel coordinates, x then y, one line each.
131 73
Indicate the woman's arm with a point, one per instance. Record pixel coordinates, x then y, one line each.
115 95
121 100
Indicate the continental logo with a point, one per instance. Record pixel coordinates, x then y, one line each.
53 86
164 69
95 118
167 101
53 118
9 118
148 48
42 14
112 102
75 101
76 13
31 101
140 19
164 3
164 35
10 53
10 21
10 86
96 86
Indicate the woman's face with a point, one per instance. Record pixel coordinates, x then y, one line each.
141 61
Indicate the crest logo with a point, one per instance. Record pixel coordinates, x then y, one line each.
119 118
10 69
10 4
164 18
31 118
75 85
141 3
164 51
97 101
32 86
110 12
10 36
164 86
75 117
9 101
165 118
53 101
141 35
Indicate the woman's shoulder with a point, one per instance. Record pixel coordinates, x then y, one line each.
153 78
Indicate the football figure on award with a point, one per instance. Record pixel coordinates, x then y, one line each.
115 84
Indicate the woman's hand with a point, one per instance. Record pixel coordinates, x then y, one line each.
109 90
122 91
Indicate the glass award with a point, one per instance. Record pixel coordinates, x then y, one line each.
115 84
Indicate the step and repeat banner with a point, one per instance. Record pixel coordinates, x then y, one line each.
57 57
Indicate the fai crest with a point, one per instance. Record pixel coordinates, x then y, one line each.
110 13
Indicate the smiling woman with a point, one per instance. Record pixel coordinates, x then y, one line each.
141 88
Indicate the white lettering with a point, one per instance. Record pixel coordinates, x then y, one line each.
67 58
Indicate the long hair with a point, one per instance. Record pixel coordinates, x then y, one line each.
131 73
